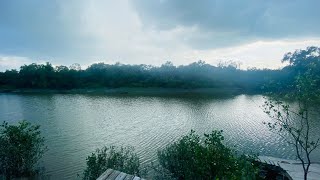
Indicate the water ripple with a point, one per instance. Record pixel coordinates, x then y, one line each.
75 125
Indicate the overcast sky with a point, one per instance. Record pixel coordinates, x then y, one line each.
255 32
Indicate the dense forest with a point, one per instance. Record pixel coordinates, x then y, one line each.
195 75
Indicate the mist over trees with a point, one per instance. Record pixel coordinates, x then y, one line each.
195 75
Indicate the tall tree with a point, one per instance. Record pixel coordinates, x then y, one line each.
296 121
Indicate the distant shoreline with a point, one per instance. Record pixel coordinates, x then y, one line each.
132 91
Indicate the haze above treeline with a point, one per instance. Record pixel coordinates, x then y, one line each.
195 75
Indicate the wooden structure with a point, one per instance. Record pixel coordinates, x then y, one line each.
293 168
111 174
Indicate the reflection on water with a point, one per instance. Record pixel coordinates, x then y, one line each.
75 125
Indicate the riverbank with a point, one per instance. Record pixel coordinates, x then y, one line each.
131 91
293 168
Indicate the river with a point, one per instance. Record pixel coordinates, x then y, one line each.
75 125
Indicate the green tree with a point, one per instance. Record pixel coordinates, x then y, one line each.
21 147
123 159
193 157
37 75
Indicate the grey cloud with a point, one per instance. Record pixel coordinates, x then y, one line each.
82 31
38 28
231 22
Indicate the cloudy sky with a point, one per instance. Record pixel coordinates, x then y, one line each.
255 32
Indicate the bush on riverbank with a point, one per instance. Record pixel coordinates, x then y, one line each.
21 147
195 157
191 157
123 159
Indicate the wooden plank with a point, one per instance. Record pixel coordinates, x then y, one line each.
129 177
105 174
113 175
121 176
136 178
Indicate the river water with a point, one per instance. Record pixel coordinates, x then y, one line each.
75 125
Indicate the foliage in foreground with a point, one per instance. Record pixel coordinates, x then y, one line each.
194 157
21 147
123 159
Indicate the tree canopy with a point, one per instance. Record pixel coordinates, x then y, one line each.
195 75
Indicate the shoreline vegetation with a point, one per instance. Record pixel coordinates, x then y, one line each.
182 159
168 78
132 91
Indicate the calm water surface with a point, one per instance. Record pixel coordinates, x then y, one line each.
75 125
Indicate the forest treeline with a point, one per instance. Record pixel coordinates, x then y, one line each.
195 75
